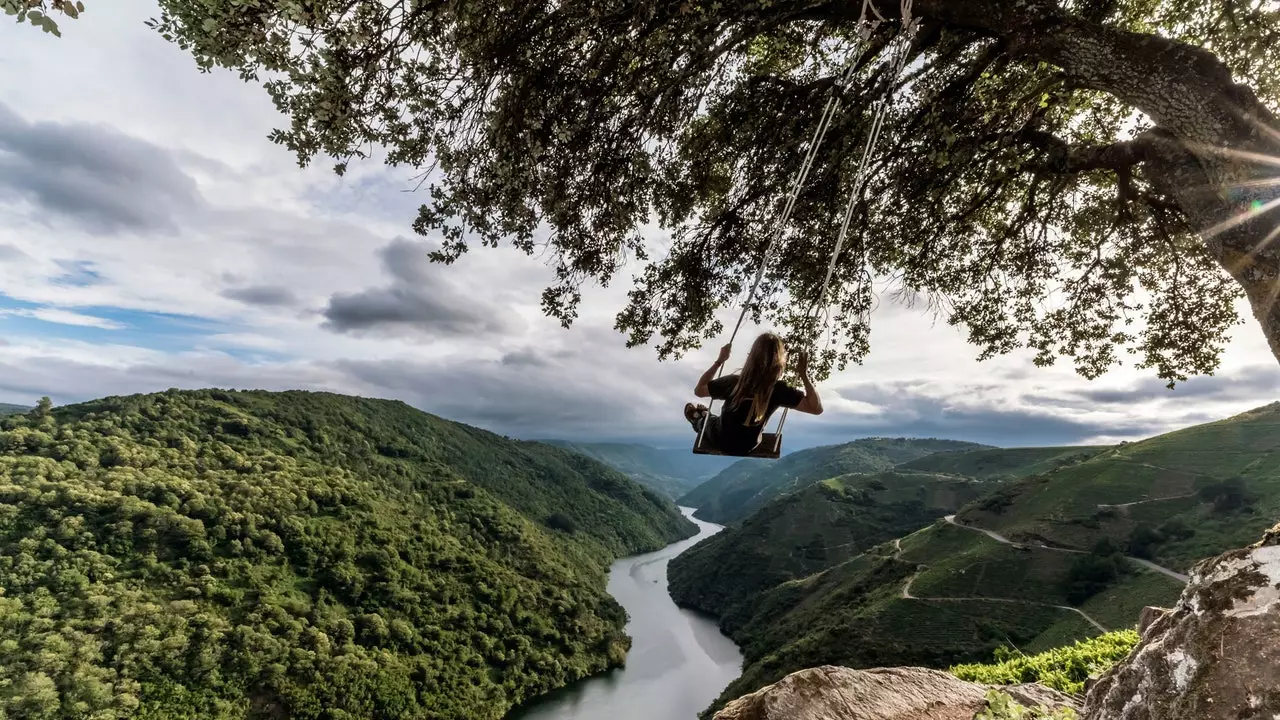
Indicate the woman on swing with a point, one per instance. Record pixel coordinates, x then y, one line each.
750 398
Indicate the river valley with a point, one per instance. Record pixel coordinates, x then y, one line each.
678 663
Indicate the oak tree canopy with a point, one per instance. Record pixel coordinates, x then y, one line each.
1086 178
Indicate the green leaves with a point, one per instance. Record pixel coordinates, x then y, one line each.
37 12
1064 668
560 128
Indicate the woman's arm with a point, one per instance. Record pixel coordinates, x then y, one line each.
811 403
701 390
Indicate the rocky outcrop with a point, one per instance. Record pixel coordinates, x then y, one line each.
837 693
1213 656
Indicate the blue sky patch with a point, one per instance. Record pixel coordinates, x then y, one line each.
166 332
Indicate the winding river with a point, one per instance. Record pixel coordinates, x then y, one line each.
678 663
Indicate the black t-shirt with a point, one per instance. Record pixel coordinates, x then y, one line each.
735 436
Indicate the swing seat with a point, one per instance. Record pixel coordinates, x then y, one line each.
769 448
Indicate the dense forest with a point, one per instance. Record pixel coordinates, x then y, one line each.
217 554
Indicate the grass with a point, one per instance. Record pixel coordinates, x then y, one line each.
1003 462
1118 607
1069 628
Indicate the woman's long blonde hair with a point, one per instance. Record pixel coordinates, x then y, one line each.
764 366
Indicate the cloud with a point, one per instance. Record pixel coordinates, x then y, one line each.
9 253
422 298
94 176
262 295
64 317
524 358
76 273
966 411
1246 383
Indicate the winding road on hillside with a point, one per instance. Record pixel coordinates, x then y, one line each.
1002 539
906 595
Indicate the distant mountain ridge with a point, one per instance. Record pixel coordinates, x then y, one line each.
11 409
747 486
672 472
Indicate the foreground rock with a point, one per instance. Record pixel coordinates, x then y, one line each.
1213 656
837 693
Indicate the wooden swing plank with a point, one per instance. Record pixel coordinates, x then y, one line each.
769 448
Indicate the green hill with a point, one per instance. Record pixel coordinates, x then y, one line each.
11 409
949 595
1059 550
746 487
810 530
1003 462
1174 498
671 472
248 554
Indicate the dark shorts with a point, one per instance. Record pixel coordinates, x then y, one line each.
711 437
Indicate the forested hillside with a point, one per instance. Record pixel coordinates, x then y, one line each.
940 596
748 485
1057 547
1006 463
810 530
248 554
11 409
1175 498
671 472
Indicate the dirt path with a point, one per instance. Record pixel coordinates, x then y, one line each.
1149 500
1161 569
906 593
1002 539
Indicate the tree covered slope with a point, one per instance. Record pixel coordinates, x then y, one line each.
247 554
748 485
810 530
940 596
1003 462
1175 498
11 409
671 472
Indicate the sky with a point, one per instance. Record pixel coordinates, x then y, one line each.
152 237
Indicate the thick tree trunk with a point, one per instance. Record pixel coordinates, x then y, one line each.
1216 133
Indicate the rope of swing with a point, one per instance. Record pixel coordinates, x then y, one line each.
865 28
899 52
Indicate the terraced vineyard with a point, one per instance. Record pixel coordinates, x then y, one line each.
1174 499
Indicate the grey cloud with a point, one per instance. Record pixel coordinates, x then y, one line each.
520 358
1261 382
264 295
421 298
99 179
9 253
908 412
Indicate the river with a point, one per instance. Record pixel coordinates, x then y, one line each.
679 661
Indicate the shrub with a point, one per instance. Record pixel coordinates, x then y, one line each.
1065 668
